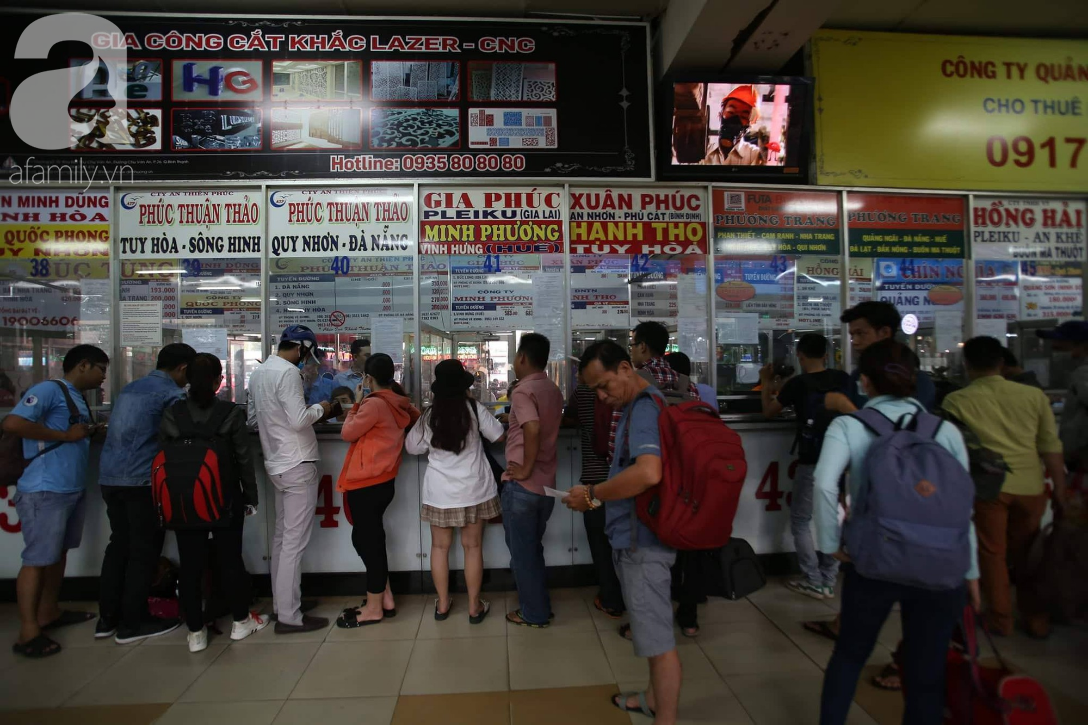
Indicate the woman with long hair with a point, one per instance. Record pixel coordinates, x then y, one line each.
889 373
202 413
375 427
459 489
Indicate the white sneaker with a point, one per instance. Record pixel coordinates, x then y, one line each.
198 641
253 623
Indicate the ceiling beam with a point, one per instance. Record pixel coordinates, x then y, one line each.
741 35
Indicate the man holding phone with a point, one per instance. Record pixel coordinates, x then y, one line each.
54 421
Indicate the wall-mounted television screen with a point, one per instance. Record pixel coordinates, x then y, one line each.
736 128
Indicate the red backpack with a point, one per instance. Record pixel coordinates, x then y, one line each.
702 474
193 479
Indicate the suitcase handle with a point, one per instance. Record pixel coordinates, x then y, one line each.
971 638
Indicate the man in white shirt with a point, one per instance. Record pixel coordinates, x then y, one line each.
277 406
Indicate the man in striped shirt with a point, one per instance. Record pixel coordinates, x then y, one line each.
650 340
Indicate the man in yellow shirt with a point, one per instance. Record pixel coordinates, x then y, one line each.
1015 421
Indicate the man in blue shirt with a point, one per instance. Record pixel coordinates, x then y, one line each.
353 377
50 493
642 563
132 556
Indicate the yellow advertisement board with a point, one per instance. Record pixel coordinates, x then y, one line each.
950 112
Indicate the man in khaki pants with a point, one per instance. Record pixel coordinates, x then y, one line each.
277 406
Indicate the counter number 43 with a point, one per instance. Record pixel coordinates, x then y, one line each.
768 487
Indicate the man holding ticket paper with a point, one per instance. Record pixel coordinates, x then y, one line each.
642 562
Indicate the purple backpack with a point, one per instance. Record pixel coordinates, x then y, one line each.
913 525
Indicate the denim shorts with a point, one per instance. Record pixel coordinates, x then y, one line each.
645 576
52 523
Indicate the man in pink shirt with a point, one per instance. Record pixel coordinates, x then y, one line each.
536 410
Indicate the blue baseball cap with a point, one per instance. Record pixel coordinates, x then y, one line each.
306 339
1072 331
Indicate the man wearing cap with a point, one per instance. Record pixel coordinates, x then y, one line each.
1072 337
277 406
738 111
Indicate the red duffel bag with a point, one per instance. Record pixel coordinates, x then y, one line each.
982 695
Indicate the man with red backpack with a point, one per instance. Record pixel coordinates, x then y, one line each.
642 562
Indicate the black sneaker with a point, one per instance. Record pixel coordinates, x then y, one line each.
147 630
105 628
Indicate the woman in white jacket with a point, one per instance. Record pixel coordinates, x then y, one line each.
459 489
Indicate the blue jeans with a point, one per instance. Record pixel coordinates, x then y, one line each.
820 569
524 518
929 618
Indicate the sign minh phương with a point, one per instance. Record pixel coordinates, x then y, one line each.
952 112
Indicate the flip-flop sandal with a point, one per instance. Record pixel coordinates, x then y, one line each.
515 617
610 613
690 632
485 607
442 616
387 613
67 618
620 701
822 628
348 619
625 632
880 681
37 648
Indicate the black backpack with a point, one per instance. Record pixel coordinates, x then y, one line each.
12 463
813 419
194 481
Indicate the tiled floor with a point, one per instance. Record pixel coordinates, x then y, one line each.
752 663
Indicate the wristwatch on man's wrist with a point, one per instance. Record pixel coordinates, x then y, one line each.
594 503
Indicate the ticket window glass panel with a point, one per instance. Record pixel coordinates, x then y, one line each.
612 293
929 296
343 299
48 305
214 305
475 308
1047 295
755 320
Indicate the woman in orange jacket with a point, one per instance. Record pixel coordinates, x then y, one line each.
375 427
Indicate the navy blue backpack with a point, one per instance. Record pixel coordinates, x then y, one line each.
913 524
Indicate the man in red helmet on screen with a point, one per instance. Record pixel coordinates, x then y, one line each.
738 112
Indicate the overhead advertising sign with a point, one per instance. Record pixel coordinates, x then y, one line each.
190 224
1015 228
366 221
491 221
953 112
888 225
761 222
212 97
53 245
638 221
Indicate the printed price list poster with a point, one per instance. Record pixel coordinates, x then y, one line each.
334 297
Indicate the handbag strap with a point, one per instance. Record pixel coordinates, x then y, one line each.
971 638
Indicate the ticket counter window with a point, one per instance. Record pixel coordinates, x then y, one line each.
54 286
345 299
612 294
1014 300
214 305
929 295
475 308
